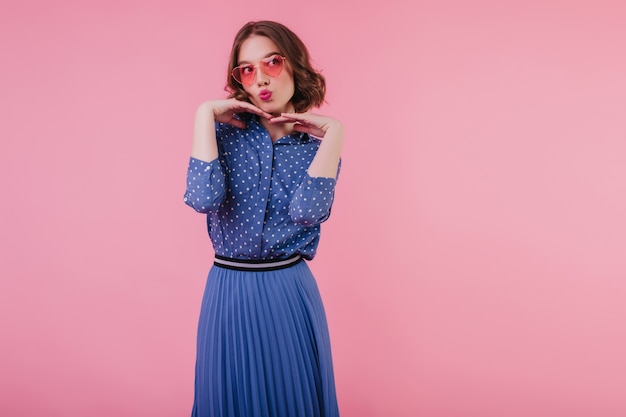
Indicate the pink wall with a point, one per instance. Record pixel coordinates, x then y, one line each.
473 266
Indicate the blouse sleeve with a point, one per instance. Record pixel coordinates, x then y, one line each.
312 200
206 185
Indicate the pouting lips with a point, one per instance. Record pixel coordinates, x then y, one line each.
265 95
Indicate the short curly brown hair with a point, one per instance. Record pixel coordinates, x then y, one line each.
309 84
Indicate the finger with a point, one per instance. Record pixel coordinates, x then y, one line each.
306 119
294 115
251 108
302 128
281 119
299 117
310 130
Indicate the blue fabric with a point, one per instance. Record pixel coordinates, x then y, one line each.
263 345
260 201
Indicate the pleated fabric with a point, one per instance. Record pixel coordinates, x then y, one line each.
263 346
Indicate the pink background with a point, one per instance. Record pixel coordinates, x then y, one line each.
474 264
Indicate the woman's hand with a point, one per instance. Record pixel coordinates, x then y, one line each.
326 161
224 111
204 141
313 124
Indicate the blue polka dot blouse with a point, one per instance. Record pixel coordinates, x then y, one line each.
259 199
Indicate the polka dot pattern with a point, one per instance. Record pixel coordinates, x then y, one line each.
260 201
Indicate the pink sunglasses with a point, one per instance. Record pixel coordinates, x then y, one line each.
246 74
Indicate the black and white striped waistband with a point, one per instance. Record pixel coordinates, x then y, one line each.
252 265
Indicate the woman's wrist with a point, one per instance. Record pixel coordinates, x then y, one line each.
206 110
204 146
334 126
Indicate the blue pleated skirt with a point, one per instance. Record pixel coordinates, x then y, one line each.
263 347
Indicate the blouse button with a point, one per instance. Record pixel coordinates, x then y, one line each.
309 182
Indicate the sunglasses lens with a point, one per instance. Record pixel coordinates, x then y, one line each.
273 65
244 74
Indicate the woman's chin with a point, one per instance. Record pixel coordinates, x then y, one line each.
274 108
270 108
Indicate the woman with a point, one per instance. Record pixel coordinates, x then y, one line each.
266 182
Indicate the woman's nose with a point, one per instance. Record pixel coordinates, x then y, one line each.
262 78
